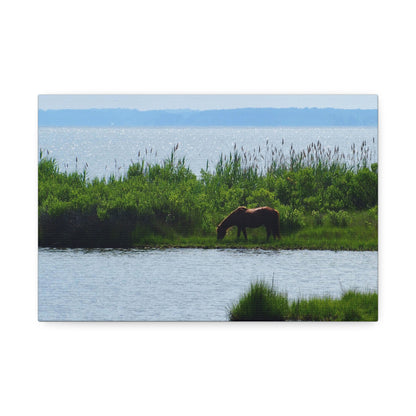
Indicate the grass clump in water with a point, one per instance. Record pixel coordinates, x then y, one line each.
263 303
260 303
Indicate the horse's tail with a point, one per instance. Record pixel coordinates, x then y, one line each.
276 227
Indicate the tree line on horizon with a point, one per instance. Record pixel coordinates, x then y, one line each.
245 117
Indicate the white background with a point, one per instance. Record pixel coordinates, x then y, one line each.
206 47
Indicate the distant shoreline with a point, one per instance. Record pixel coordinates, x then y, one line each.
211 127
241 117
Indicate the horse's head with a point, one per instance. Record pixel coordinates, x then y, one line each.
221 231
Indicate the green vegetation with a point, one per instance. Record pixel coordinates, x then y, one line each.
325 201
263 303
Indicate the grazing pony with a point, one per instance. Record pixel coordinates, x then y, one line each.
243 217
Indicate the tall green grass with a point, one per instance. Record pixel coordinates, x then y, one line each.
263 303
166 203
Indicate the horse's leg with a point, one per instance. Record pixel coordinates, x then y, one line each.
277 227
245 233
238 232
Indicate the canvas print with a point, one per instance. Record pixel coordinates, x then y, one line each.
208 207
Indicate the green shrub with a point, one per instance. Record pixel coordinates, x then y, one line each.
334 198
261 197
318 218
282 189
340 218
305 182
290 219
312 203
363 192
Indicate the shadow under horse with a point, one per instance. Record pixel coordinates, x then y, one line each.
243 217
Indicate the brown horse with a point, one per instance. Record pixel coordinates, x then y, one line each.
243 217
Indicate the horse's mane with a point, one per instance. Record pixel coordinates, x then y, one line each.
224 222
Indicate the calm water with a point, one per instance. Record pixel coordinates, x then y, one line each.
111 150
185 284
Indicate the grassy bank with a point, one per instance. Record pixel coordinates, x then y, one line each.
263 303
310 238
324 202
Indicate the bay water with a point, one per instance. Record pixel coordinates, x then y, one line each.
110 151
186 284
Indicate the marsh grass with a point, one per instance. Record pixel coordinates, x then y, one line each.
263 303
320 194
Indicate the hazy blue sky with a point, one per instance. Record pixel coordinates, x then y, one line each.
205 101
